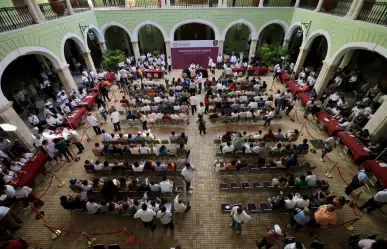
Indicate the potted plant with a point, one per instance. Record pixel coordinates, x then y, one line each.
111 58
271 54
58 7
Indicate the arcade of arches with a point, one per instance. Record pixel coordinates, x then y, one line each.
360 69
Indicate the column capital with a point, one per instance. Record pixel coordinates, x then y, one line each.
86 52
328 64
169 41
134 41
6 106
304 49
255 39
101 42
63 68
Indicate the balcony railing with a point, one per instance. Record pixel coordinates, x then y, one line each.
80 5
14 18
279 3
113 4
337 7
308 4
374 12
54 10
193 3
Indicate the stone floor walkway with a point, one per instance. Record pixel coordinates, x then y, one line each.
204 226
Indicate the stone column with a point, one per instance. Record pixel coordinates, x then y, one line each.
260 4
300 59
90 3
32 11
67 79
352 9
220 48
102 46
346 59
37 9
168 51
324 77
253 47
377 125
297 4
319 5
136 50
220 3
69 7
168 3
225 4
89 61
9 116
285 44
357 10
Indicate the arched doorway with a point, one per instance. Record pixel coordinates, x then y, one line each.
151 39
194 31
118 38
78 58
93 43
238 40
317 52
295 43
271 34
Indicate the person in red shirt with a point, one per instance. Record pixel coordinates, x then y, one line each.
124 100
206 103
232 87
269 135
272 237
166 117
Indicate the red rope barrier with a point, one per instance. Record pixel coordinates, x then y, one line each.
49 185
355 205
83 135
38 214
93 234
338 168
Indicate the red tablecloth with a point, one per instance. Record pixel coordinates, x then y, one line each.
154 73
331 125
304 96
89 100
32 169
239 69
261 71
285 77
356 147
110 76
294 87
74 121
379 172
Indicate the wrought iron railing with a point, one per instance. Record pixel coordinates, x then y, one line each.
54 10
308 4
114 4
374 12
14 18
337 7
193 3
279 3
80 5
242 3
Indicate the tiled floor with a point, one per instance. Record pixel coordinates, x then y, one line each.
204 226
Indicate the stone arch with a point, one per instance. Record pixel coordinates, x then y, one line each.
309 40
31 50
96 31
112 24
335 58
205 22
293 28
144 23
247 23
78 40
283 24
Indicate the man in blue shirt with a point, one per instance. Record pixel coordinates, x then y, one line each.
292 161
130 116
302 147
358 181
300 218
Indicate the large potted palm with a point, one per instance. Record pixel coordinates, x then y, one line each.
271 54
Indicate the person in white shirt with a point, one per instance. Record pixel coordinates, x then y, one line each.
9 191
159 116
227 148
93 121
239 217
290 203
146 215
92 206
144 149
52 121
233 59
376 202
270 116
179 205
98 165
296 245
174 116
219 61
193 103
189 174
166 185
165 217
310 178
105 137
115 118
157 99
302 202
253 105
136 167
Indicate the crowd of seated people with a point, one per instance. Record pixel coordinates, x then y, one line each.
140 137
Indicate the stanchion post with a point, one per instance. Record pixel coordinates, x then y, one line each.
272 84
55 233
302 127
61 183
76 158
328 174
90 241
349 226
87 135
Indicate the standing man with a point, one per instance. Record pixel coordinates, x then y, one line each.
201 110
239 217
169 63
115 117
104 92
219 61
146 215
75 139
358 181
189 174
193 103
378 201
165 217
93 121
